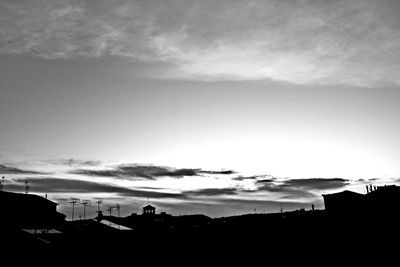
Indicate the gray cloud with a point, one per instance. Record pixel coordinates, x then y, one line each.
316 183
141 171
59 185
299 188
128 171
223 172
256 178
212 192
74 162
288 193
354 42
11 170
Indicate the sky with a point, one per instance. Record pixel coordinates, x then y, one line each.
215 107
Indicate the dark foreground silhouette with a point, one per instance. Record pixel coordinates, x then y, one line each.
353 226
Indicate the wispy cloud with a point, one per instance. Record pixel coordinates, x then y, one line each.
299 188
74 162
60 185
257 178
316 183
212 192
285 192
353 42
4 169
132 171
224 172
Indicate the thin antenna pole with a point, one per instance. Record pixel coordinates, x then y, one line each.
110 211
73 207
26 187
73 202
2 184
84 203
98 204
118 209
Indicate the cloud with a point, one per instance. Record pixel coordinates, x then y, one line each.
138 171
286 192
298 188
11 170
212 192
75 162
60 185
222 172
316 183
255 177
353 42
128 171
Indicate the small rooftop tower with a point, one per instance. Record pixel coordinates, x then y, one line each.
149 210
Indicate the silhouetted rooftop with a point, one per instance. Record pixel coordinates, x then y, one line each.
29 198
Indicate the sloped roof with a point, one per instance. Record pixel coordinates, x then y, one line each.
17 197
345 193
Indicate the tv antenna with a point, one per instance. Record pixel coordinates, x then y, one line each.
26 187
98 204
118 208
110 212
2 184
84 204
73 203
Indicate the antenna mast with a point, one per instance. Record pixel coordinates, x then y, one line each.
73 202
118 209
2 184
98 204
85 203
26 187
110 212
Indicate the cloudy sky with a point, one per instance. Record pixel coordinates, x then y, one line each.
214 107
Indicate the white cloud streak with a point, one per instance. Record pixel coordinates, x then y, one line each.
352 42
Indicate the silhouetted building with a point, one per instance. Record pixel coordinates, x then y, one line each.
344 202
149 210
384 199
29 211
379 200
